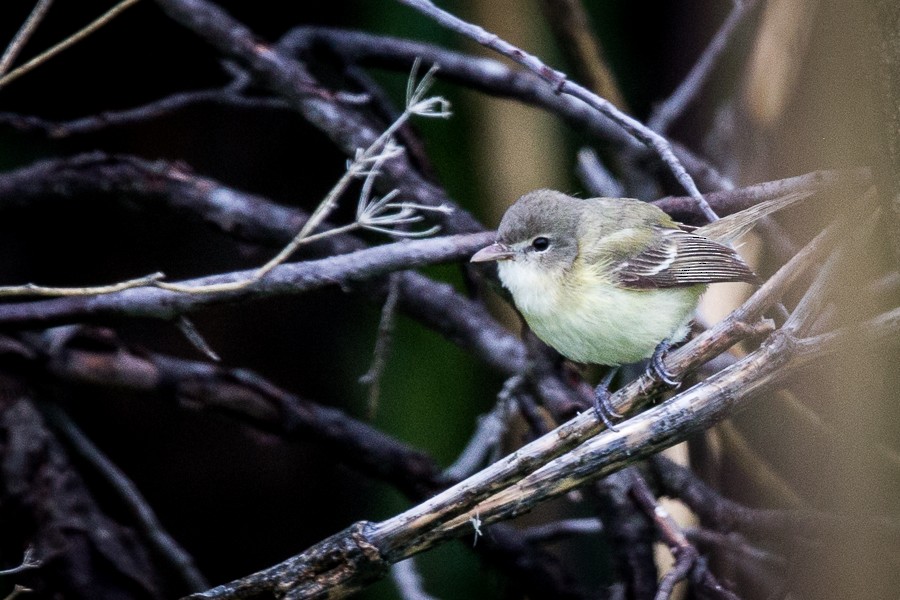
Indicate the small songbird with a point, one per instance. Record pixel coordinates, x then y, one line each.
607 280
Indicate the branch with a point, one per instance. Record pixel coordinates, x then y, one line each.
688 562
66 43
556 463
346 124
629 534
577 40
160 184
56 514
25 31
491 77
96 357
672 108
562 85
295 278
159 539
140 114
684 210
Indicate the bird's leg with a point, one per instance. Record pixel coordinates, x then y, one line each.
602 405
657 369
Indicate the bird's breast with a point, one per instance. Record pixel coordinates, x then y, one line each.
590 320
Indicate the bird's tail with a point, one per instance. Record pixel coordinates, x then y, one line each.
727 229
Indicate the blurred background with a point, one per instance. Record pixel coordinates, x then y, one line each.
797 91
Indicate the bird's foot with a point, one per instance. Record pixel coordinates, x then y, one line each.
657 369
602 404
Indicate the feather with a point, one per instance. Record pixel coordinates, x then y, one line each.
678 258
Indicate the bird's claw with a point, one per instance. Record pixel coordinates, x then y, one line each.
658 369
603 406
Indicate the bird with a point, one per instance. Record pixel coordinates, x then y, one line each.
612 281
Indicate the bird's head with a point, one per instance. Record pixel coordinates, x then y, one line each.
537 239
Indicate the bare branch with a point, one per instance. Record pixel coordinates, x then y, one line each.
226 97
29 561
555 530
346 124
687 558
296 278
30 289
163 543
672 108
563 85
408 581
491 77
21 38
367 548
68 42
576 39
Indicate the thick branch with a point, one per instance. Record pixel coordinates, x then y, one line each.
491 495
96 357
294 278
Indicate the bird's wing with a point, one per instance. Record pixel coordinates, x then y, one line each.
679 258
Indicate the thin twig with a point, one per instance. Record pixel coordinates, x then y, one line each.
347 124
69 41
758 473
672 107
29 561
576 39
628 532
687 558
193 335
374 214
372 377
596 177
484 441
21 38
225 97
556 530
18 590
31 289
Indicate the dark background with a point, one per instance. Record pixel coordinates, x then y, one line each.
239 500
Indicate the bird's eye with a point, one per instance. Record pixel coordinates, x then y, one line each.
540 244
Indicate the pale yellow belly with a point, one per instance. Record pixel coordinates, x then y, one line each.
603 324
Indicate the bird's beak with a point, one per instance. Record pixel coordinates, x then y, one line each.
496 251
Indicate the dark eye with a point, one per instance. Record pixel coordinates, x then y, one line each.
540 244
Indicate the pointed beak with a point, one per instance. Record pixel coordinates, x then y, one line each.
496 251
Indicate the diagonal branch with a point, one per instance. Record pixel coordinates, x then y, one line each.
563 85
363 552
673 107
